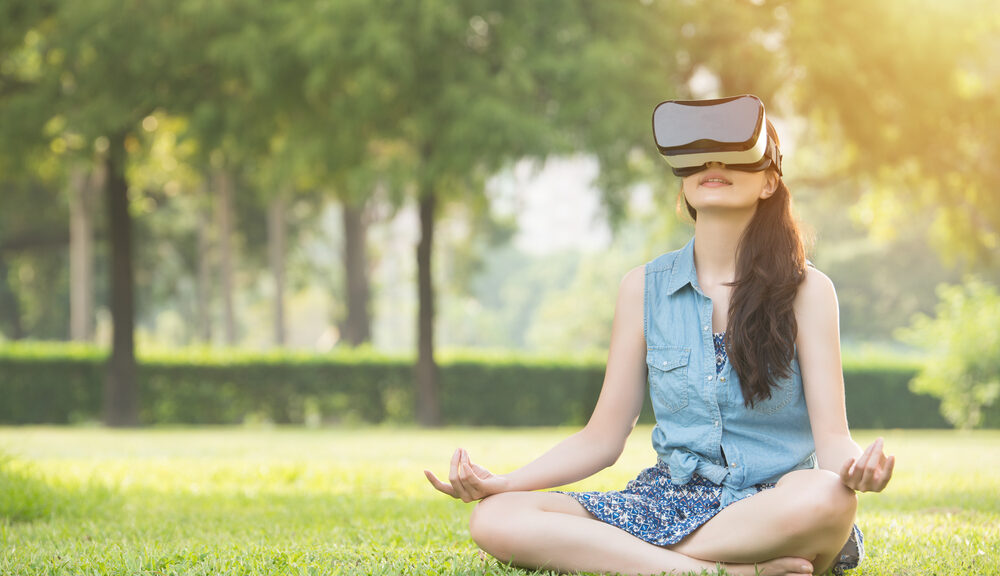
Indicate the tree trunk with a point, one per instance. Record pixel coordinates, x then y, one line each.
10 307
224 240
428 409
357 329
276 255
205 263
121 398
82 193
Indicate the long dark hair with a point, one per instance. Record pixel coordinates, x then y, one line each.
770 266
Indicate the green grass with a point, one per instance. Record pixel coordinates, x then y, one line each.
295 501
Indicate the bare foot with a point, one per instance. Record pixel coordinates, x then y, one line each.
785 566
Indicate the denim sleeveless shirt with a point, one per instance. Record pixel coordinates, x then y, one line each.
701 423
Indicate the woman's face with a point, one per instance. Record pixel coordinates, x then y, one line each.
718 187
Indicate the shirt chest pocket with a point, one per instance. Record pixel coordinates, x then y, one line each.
781 396
668 376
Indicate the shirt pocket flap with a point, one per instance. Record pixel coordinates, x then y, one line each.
668 358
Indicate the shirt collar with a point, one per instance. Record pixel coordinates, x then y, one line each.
683 271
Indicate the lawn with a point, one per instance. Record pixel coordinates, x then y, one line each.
354 501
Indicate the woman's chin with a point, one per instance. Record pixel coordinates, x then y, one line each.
723 207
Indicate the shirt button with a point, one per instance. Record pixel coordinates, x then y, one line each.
716 423
722 379
733 464
709 378
705 327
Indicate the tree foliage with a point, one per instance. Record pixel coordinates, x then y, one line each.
909 91
963 351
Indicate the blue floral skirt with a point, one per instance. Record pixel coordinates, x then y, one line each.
661 513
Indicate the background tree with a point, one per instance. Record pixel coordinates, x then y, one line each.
963 346
908 90
469 105
348 56
109 65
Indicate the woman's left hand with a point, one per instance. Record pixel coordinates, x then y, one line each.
871 471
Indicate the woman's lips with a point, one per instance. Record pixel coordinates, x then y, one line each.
714 180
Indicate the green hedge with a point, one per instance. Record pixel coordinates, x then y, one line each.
57 384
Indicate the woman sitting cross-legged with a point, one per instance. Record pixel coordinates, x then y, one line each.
737 337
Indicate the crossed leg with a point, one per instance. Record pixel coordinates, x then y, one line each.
798 527
808 513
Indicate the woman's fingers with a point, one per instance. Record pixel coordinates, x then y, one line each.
882 474
468 481
473 482
867 480
860 465
876 459
441 486
456 477
468 494
871 471
845 471
481 472
468 478
862 460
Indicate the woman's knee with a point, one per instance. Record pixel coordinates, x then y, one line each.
481 518
491 520
823 501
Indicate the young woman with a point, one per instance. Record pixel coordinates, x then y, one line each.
738 338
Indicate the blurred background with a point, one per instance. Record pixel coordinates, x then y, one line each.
312 201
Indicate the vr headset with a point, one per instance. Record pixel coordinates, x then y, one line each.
691 133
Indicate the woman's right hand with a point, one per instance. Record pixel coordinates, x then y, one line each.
468 481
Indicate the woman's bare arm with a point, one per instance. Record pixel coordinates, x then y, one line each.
600 443
818 344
